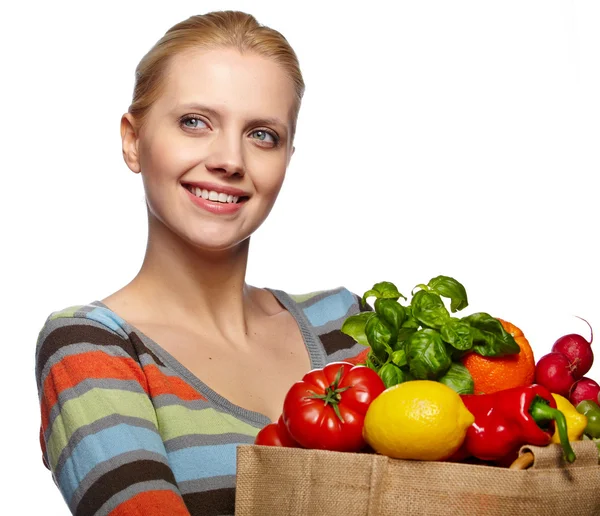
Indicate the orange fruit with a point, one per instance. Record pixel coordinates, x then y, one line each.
492 374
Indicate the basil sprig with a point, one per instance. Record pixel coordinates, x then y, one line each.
421 340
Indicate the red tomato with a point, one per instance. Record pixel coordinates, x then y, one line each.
326 409
275 434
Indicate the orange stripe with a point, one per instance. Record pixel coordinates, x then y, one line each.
152 503
360 358
89 365
98 365
159 383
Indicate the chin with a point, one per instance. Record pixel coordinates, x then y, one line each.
217 242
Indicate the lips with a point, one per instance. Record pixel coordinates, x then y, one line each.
212 195
229 190
217 199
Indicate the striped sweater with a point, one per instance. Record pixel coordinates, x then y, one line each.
127 429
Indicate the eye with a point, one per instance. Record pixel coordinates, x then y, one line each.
192 122
262 135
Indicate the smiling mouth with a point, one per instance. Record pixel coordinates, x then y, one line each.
214 196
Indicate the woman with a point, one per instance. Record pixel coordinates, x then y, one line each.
146 394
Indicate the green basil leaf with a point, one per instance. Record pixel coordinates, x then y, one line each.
393 375
452 289
391 312
378 336
383 289
458 354
402 337
373 362
457 333
429 309
354 326
427 355
410 322
490 339
399 357
459 379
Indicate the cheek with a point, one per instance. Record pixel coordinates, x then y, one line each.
270 178
164 158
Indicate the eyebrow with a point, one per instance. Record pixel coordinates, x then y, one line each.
213 112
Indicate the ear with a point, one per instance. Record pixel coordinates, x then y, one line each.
291 154
129 140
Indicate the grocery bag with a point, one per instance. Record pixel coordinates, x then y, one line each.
273 481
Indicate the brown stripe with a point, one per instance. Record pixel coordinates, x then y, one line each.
142 348
211 503
119 479
77 334
336 340
84 333
364 306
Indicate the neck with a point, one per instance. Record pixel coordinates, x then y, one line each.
180 282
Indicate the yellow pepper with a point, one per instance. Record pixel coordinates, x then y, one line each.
576 422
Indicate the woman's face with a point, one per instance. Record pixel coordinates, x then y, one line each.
216 145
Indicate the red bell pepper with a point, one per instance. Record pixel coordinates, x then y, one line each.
508 419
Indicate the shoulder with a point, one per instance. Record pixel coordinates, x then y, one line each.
82 319
328 306
325 311
80 328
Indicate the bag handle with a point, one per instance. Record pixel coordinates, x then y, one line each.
551 456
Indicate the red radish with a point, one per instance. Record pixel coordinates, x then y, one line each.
577 350
555 372
584 389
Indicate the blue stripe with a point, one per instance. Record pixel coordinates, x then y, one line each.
108 318
102 446
203 461
331 308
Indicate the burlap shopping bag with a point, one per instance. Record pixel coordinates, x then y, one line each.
273 481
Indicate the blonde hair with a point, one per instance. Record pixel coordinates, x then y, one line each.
219 29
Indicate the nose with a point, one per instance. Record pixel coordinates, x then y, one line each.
226 156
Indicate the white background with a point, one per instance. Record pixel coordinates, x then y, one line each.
458 138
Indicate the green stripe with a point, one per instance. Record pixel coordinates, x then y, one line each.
300 298
67 312
178 420
95 404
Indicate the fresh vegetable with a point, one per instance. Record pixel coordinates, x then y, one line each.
591 410
584 389
577 350
509 419
276 434
491 374
458 379
576 422
326 409
555 372
420 419
421 340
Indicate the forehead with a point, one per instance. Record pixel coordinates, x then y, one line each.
243 84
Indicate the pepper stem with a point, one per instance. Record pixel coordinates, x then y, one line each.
541 411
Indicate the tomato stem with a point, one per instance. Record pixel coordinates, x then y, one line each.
332 395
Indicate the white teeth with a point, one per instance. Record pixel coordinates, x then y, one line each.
211 195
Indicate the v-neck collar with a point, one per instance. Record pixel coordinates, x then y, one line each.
316 352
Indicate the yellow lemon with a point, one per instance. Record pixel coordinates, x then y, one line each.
418 419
